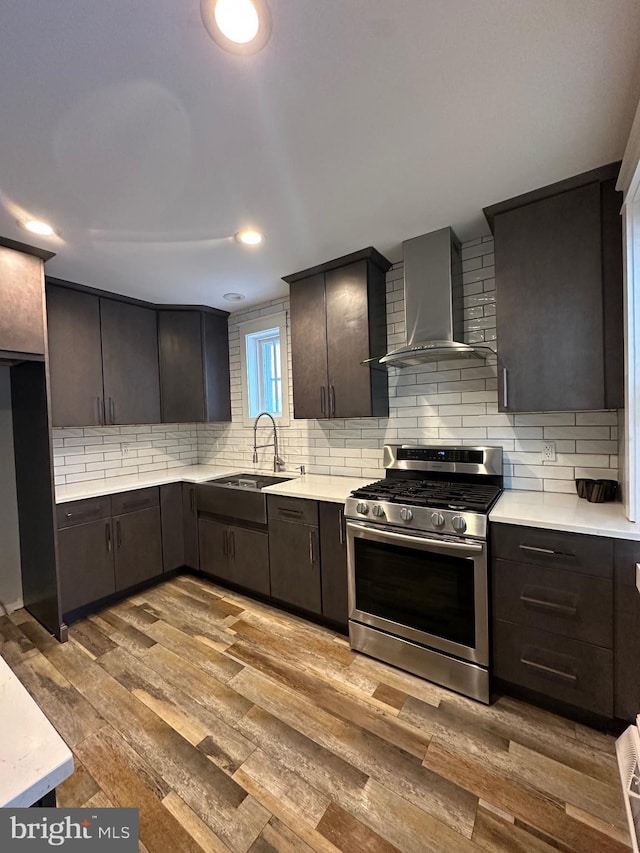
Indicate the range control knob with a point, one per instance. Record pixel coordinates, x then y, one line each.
378 511
437 519
459 524
362 508
406 514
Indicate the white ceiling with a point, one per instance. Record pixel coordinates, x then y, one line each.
362 122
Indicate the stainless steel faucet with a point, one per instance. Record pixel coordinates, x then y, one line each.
278 464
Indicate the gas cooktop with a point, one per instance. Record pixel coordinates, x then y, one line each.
431 493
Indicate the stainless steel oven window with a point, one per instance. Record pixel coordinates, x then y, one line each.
432 591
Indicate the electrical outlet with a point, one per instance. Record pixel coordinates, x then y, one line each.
126 449
548 451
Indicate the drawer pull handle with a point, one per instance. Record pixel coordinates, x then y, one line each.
549 605
341 525
537 550
232 543
549 670
108 534
312 550
293 513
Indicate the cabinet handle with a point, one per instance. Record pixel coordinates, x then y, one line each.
548 551
549 605
292 513
323 400
192 501
332 401
549 670
112 411
312 554
108 534
505 389
100 411
118 534
232 538
341 525
225 543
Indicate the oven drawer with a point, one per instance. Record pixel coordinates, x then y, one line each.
554 549
565 603
579 674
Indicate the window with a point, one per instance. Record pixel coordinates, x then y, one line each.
263 355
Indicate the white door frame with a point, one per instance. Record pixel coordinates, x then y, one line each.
629 184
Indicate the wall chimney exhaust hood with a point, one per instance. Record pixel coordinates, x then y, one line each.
433 303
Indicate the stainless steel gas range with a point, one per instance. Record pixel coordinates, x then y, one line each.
417 560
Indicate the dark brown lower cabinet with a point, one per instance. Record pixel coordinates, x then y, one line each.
85 558
294 552
333 559
627 630
138 547
107 544
190 521
235 554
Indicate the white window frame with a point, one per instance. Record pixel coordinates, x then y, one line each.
262 324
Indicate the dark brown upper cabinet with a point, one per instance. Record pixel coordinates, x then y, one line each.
22 300
103 359
194 366
558 255
338 320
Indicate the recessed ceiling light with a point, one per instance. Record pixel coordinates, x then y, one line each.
233 297
249 237
43 229
239 26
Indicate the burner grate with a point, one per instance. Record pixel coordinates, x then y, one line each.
431 493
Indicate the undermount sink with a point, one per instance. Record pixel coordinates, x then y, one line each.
255 482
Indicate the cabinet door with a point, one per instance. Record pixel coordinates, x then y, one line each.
172 526
190 522
181 366
309 348
85 563
333 562
549 304
295 566
138 547
627 631
130 363
249 559
216 356
213 539
21 303
348 341
75 357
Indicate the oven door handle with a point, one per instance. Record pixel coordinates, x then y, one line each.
420 541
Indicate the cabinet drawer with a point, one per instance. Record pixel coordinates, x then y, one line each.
579 674
565 603
554 549
80 512
135 500
292 509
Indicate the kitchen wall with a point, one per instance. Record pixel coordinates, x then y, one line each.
453 402
95 453
10 574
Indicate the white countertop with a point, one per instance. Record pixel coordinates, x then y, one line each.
33 757
563 512
319 487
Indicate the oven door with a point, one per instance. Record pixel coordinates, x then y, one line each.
429 590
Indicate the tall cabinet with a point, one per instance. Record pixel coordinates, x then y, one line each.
23 346
338 321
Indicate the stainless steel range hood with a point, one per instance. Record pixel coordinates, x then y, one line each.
433 303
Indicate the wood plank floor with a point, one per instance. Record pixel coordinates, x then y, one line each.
236 727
